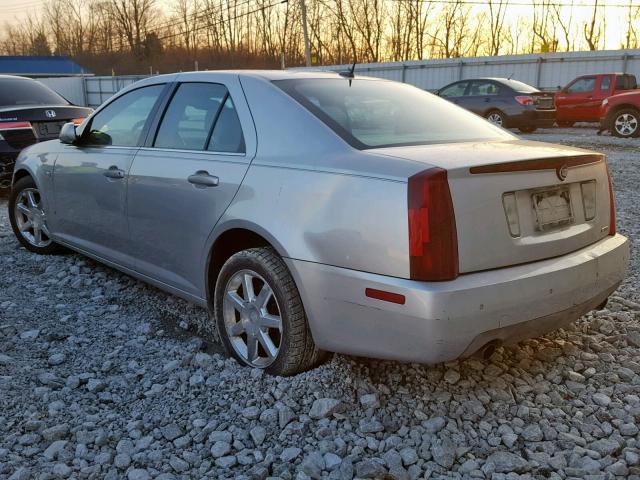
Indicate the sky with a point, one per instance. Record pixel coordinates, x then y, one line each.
13 11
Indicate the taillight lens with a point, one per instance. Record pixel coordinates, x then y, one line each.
524 100
433 241
612 206
14 125
77 121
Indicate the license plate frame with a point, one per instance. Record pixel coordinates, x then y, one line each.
552 208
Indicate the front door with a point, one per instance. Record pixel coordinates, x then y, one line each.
481 97
575 103
90 179
454 92
184 179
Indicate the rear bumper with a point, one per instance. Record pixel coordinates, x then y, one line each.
442 321
533 118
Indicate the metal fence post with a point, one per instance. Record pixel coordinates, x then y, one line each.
460 67
539 71
404 72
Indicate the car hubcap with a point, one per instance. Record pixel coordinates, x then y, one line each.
252 318
31 219
495 118
626 124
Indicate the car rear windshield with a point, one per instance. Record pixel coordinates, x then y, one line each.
376 113
21 92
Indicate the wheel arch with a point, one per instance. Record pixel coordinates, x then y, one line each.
617 108
22 172
228 240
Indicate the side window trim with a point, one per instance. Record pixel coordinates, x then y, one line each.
145 129
158 115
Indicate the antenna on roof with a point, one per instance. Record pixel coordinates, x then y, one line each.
509 77
349 73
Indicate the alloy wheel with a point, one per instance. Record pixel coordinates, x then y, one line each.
252 318
31 219
495 118
626 124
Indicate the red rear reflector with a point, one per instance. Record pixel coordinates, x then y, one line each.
14 125
385 296
612 206
77 121
433 240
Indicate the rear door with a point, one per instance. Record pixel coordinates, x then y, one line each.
185 177
90 179
576 102
481 96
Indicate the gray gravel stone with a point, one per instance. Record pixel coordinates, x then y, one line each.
324 407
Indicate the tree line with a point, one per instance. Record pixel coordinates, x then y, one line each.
142 36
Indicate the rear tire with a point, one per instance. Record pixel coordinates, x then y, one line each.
497 118
565 124
265 329
625 123
28 218
527 129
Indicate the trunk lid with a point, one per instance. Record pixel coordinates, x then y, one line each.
550 191
543 100
46 122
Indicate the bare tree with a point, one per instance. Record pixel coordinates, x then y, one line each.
633 18
594 27
497 12
133 18
565 22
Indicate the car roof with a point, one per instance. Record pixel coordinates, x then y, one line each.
15 77
264 74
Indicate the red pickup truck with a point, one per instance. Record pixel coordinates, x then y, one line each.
580 100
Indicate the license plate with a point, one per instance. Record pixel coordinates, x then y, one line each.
49 129
552 208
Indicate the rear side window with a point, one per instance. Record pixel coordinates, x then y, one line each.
455 90
605 83
23 92
227 134
482 88
201 116
122 122
582 85
189 118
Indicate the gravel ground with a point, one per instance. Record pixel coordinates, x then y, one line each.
102 376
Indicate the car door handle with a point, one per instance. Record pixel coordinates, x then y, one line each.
202 178
114 172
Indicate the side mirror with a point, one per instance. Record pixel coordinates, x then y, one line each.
68 134
559 88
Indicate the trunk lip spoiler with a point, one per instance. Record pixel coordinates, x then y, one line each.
547 163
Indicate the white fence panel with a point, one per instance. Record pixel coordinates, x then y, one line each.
71 88
99 89
547 71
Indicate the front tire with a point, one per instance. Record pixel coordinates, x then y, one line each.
260 316
625 123
28 218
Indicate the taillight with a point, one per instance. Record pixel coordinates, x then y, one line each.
524 100
612 206
433 241
14 125
77 121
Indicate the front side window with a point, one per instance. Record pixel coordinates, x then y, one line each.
455 90
483 89
122 122
369 113
582 85
189 118
605 83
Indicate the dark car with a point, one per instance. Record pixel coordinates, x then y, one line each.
30 112
504 102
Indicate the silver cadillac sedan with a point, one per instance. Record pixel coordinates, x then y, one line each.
315 212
